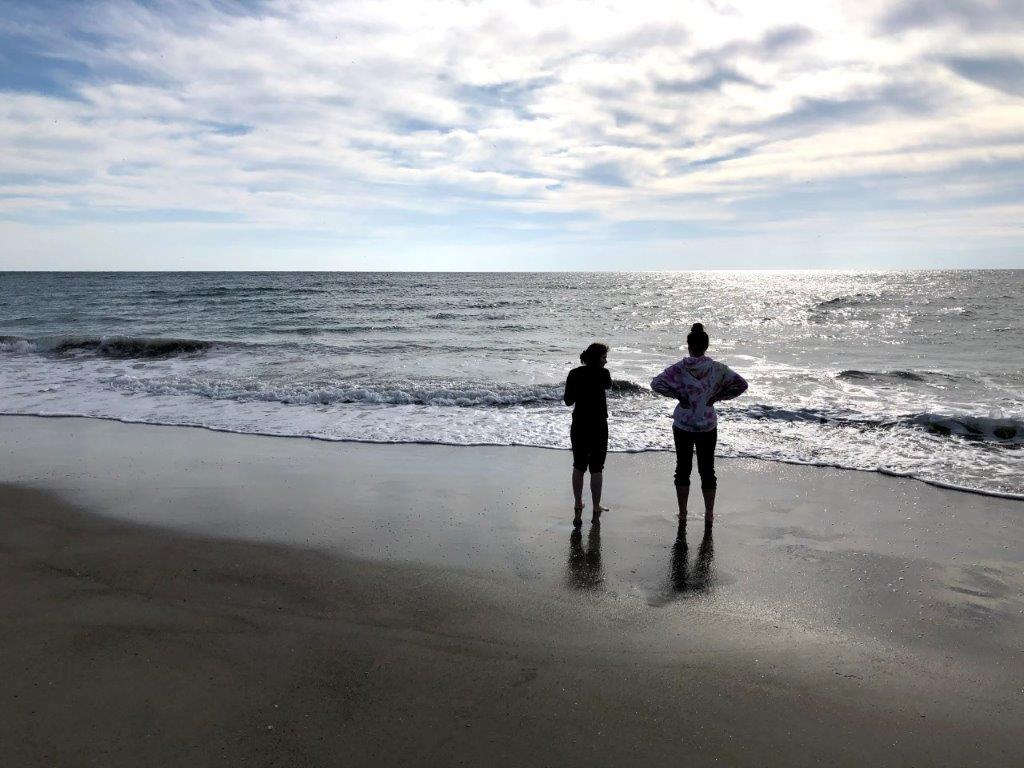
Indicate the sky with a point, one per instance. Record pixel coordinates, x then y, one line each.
181 134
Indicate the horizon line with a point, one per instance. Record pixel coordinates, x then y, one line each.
502 271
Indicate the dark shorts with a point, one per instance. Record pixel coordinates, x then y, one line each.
704 443
589 447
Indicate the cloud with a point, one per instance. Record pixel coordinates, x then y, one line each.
773 42
712 81
610 174
1004 73
379 123
816 113
784 38
972 15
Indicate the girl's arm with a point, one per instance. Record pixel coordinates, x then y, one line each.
667 384
570 391
733 385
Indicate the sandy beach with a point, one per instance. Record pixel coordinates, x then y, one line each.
174 596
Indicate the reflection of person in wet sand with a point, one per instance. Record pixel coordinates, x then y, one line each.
697 382
701 577
585 564
585 389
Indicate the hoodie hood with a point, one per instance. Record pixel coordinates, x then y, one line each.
697 368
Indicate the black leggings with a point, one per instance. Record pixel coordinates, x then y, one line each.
705 445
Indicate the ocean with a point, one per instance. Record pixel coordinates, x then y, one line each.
911 373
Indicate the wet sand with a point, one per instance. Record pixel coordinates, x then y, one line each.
172 596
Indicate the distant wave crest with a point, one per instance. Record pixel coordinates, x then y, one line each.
231 291
897 375
842 302
106 346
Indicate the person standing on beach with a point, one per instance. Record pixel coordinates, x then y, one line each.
697 382
585 389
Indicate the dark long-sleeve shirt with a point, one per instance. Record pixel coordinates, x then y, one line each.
585 388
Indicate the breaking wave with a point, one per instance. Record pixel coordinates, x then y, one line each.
624 387
16 344
436 393
994 428
107 346
998 429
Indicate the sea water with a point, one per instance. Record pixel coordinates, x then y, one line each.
915 373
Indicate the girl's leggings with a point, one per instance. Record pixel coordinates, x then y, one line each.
704 442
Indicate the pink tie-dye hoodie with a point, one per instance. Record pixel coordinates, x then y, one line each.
697 383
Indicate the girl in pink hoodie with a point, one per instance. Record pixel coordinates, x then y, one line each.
697 382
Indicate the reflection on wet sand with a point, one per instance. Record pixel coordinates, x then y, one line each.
701 577
585 564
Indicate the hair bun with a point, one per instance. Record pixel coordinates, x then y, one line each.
697 340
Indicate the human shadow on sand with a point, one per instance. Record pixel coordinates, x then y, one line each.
584 571
687 578
699 577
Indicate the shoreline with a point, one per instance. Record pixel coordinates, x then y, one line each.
823 465
182 596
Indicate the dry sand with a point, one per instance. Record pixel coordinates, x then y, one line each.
176 597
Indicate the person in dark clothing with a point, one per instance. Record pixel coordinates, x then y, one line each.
585 389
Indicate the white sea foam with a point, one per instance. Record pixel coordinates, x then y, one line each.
463 395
